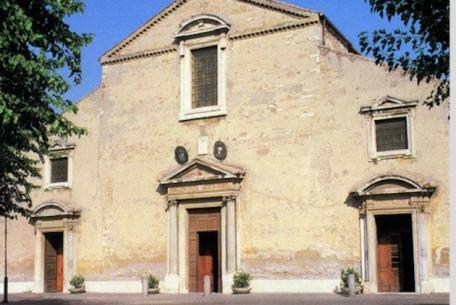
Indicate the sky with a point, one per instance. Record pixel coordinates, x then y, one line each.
111 21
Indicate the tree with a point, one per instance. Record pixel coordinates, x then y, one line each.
422 51
40 57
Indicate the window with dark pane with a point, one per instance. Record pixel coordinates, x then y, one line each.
204 77
391 134
59 170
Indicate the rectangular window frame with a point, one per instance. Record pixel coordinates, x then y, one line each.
409 152
213 80
56 154
186 111
52 160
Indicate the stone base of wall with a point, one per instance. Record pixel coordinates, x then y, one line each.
18 287
295 285
114 286
440 285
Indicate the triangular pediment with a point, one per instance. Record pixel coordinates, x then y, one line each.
387 103
60 144
202 170
243 15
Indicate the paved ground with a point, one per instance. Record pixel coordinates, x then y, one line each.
218 299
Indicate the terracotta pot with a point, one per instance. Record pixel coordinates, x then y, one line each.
153 290
244 290
77 290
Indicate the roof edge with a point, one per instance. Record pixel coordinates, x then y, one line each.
268 4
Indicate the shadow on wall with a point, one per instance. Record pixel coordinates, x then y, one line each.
352 201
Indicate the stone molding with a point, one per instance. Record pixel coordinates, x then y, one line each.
113 59
393 195
386 108
289 9
406 186
53 210
199 25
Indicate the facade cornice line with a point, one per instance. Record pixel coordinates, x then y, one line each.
267 4
232 37
280 7
138 55
143 28
266 31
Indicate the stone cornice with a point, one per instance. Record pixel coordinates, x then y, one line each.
137 55
232 37
271 30
267 4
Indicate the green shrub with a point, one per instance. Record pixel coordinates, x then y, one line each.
344 273
152 282
241 279
77 281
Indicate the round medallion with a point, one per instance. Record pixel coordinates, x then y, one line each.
180 154
220 150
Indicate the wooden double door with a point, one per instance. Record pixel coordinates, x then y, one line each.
53 262
395 262
204 249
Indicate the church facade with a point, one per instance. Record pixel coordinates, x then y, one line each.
242 135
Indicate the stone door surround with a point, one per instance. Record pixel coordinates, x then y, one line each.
391 195
50 217
201 183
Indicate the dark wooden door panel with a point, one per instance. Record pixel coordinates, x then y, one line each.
53 262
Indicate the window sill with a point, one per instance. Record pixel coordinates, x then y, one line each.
399 154
202 113
56 186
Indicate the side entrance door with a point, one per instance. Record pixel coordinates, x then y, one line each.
395 263
53 264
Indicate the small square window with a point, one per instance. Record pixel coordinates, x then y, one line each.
59 170
391 134
204 77
390 128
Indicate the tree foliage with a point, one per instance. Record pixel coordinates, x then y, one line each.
40 57
422 50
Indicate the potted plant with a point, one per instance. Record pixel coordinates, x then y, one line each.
152 284
77 282
344 274
241 282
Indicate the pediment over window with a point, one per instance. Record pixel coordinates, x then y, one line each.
201 25
394 185
54 210
60 144
389 103
199 170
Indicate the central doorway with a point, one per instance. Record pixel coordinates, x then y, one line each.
395 262
204 249
53 262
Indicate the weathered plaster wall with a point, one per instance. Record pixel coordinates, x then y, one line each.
352 81
20 250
